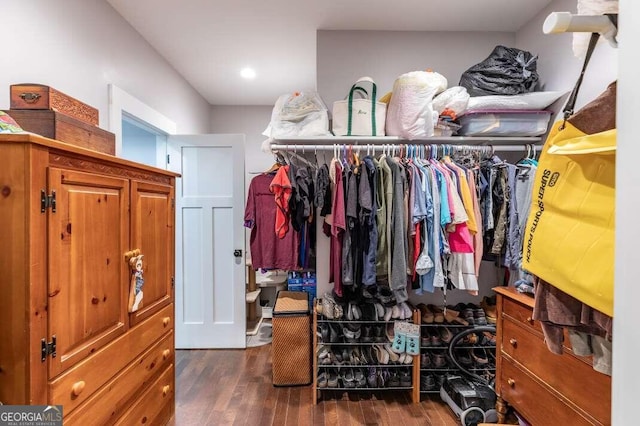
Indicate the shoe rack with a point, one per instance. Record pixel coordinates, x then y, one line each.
436 362
345 370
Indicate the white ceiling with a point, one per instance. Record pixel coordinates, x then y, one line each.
210 41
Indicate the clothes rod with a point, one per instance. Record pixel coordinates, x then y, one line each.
561 22
312 148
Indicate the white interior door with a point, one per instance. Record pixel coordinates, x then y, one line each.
210 277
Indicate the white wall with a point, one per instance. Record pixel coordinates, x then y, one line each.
626 345
79 47
558 67
250 121
344 56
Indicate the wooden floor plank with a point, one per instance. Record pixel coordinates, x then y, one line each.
282 405
224 387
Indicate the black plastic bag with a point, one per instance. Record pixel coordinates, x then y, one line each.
507 71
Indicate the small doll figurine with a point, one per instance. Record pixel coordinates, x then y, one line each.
137 280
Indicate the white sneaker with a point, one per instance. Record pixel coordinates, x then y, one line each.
406 310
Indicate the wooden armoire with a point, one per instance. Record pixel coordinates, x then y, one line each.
68 216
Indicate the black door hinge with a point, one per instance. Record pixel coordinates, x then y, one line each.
48 348
47 201
168 159
173 282
173 203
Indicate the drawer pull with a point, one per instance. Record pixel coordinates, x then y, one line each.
513 343
165 390
166 321
166 353
511 382
530 320
78 387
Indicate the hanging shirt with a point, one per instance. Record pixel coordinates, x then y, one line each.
389 196
351 216
268 251
398 281
281 188
478 246
381 222
338 227
369 207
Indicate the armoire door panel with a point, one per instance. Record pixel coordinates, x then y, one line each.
88 286
152 215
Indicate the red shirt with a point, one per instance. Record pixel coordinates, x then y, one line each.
267 250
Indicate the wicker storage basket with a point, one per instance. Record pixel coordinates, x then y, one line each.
291 344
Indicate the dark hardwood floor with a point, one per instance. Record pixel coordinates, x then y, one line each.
233 387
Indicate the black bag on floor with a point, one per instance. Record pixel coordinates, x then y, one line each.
507 71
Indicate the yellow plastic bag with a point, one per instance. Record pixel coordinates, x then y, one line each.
569 238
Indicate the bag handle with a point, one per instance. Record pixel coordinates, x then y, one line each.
354 88
571 102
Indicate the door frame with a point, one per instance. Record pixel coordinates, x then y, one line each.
122 104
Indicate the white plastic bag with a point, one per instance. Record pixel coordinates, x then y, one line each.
298 114
454 98
410 113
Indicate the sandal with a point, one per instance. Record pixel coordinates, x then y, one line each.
427 315
348 379
405 379
361 380
438 314
322 380
372 377
351 332
332 380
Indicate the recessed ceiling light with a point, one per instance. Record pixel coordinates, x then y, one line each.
248 73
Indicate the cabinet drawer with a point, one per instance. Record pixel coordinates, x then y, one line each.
565 373
520 313
534 401
155 406
76 385
105 405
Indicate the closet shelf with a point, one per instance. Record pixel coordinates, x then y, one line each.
380 140
365 389
365 365
451 369
360 321
251 296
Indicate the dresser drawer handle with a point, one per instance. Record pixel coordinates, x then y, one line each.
530 320
511 382
165 390
513 343
78 387
166 321
166 353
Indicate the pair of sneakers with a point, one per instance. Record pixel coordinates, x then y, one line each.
329 307
406 338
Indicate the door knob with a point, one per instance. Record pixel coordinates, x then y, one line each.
237 253
511 382
513 342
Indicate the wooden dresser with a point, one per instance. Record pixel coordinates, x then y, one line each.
68 216
545 388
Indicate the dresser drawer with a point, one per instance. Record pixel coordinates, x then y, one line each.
104 406
534 401
568 375
79 383
521 314
155 406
